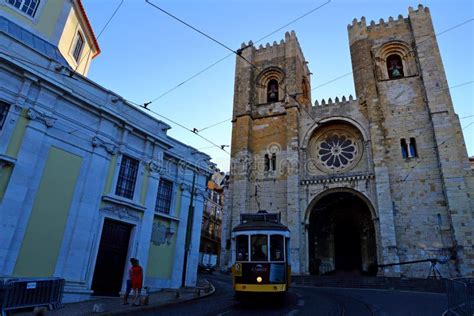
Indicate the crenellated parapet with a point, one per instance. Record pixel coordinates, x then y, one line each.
359 28
337 101
285 47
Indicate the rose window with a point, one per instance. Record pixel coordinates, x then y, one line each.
336 150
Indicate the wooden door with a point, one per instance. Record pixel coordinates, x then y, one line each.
111 258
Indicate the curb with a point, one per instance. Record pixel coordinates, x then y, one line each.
170 303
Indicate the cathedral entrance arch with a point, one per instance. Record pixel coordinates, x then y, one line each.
341 234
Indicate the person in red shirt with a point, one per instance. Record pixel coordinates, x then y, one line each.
137 281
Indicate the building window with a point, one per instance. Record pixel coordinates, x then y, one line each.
394 66
267 163
78 47
4 107
163 198
404 148
274 161
26 6
408 148
272 91
412 148
127 177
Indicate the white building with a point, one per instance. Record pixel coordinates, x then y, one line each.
87 180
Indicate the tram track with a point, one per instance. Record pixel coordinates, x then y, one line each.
347 304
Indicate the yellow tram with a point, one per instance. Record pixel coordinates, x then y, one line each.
260 245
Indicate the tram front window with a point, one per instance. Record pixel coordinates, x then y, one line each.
242 248
259 248
276 248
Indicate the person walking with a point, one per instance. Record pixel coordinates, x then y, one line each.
137 282
129 283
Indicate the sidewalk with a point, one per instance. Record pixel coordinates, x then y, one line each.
113 306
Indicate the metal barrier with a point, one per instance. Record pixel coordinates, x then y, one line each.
459 298
16 293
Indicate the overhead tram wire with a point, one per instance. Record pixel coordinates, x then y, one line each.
231 54
370 64
238 52
213 125
100 33
194 132
221 147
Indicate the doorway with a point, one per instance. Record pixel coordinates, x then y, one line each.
111 258
341 236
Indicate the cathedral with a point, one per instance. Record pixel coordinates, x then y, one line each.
364 181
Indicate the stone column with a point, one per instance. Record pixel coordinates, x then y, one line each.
191 271
149 215
22 187
387 242
84 223
181 237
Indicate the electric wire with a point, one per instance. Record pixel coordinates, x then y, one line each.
222 147
98 35
195 131
231 54
213 125
370 63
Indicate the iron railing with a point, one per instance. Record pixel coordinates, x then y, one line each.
460 296
16 293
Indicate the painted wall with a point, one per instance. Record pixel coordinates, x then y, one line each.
45 20
110 174
40 247
161 258
12 151
67 42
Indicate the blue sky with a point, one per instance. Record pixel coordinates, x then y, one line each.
145 53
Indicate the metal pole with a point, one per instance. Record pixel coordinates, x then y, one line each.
189 228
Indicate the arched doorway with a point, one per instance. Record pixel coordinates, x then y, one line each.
341 236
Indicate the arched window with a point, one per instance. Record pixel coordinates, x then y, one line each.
267 163
404 148
272 91
394 66
274 161
412 147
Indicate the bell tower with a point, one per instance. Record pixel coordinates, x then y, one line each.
272 84
416 138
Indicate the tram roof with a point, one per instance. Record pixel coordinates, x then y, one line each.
260 221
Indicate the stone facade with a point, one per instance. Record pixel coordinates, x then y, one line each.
396 151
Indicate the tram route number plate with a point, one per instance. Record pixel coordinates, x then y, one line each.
31 285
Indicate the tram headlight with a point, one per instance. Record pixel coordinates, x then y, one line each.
259 279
